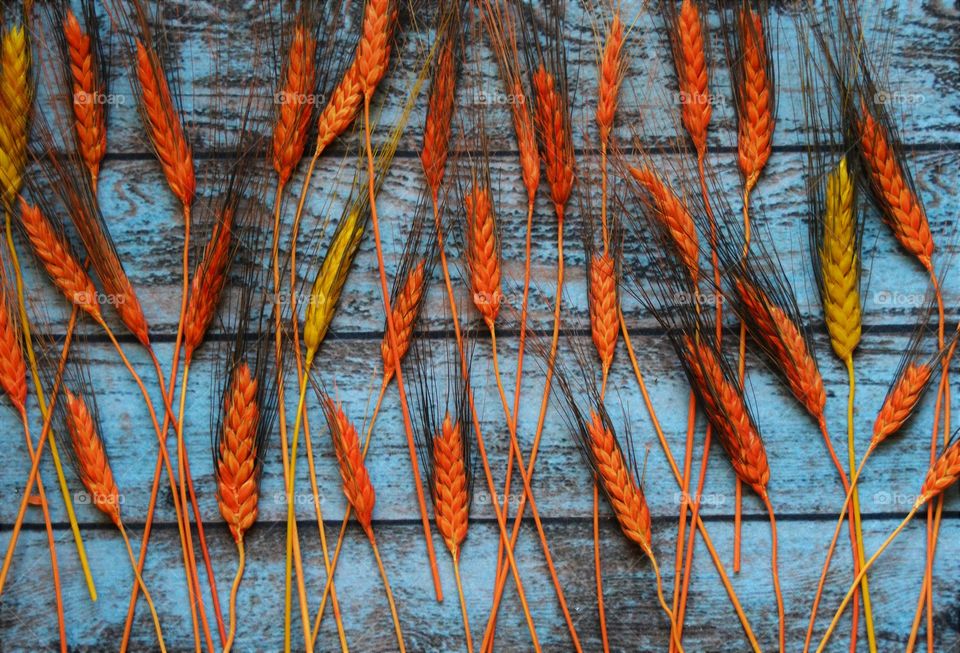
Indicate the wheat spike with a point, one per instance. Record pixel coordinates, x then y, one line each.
342 108
604 308
238 468
88 108
755 105
901 400
356 481
14 111
840 264
483 253
166 132
674 216
13 368
208 283
293 119
899 204
54 253
555 137
724 405
626 498
373 52
450 485
331 278
784 341
91 457
406 308
944 473
690 60
611 76
436 131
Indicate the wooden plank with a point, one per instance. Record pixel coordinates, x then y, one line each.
149 234
803 479
634 619
923 81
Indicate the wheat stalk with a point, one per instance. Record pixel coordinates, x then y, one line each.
293 120
88 87
406 308
59 261
673 215
163 125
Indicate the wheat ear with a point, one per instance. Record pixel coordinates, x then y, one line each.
97 477
163 125
755 98
238 469
88 107
293 121
673 215
406 308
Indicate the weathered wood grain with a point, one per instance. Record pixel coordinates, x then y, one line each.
210 45
635 620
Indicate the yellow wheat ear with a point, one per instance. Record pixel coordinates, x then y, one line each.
840 263
14 111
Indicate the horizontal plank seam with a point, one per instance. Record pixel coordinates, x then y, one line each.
651 149
948 515
438 334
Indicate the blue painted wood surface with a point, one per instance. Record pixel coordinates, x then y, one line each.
924 60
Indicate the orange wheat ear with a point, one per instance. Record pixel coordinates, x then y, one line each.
166 132
690 60
373 52
627 499
436 131
238 467
901 400
898 203
293 119
552 124
88 108
357 486
451 485
91 457
673 215
13 368
604 307
208 283
727 411
56 257
483 253
406 308
611 76
755 101
784 341
342 108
